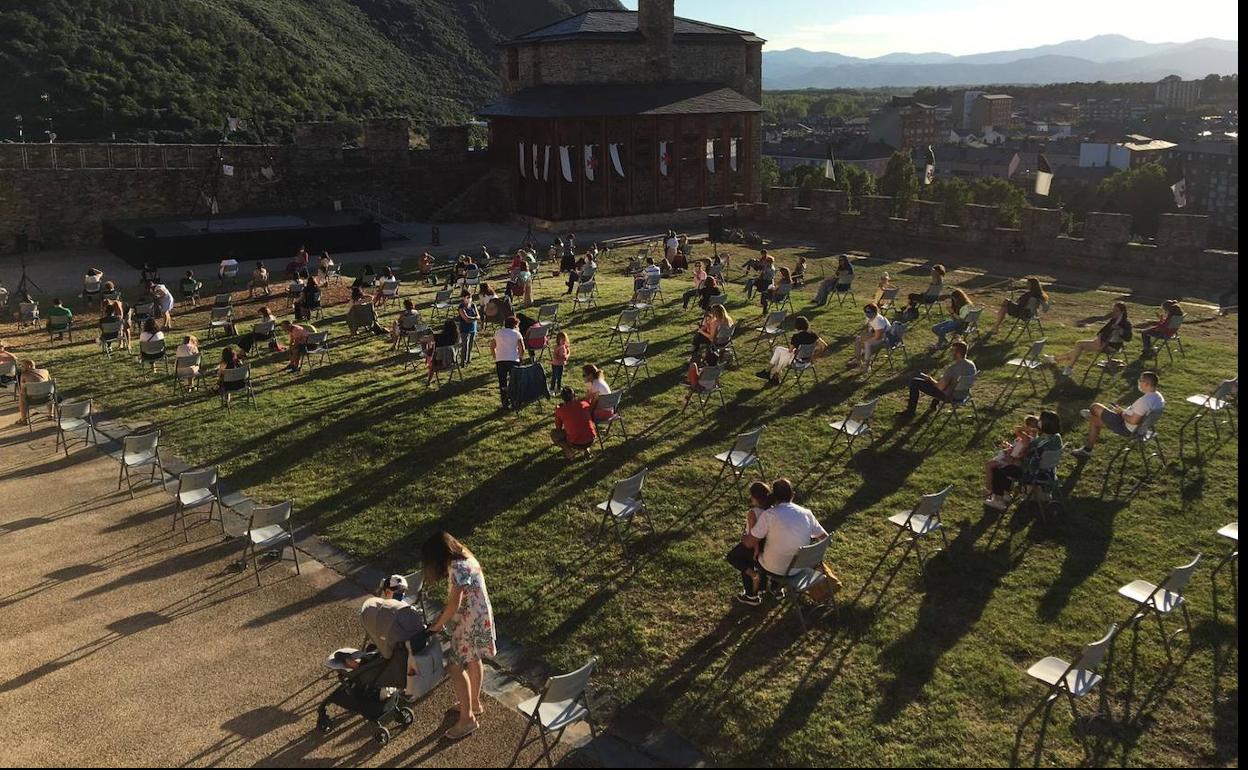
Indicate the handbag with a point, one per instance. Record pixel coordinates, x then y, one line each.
824 590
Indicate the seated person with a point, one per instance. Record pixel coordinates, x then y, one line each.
1028 302
406 319
715 319
298 334
259 280
1028 471
873 337
446 339
1109 340
1168 320
935 286
745 558
840 282
782 356
940 390
309 299
693 375
189 287
109 315
766 276
187 374
361 314
58 310
1124 422
960 307
799 272
650 272
252 338
388 278
325 265
367 279
709 288
595 386
773 293
229 360
28 372
425 266
1011 452
91 282
6 358
574 430
778 533
148 275
886 282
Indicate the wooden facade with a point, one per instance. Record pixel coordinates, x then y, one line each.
642 189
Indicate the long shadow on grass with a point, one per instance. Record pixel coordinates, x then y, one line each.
1085 536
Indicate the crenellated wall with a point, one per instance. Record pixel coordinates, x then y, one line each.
1182 239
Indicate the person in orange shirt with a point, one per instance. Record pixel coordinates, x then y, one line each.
574 430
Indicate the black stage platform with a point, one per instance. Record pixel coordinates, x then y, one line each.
275 237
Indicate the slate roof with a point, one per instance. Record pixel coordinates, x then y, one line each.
623 24
610 100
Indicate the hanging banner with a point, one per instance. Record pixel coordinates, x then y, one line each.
227 169
536 174
546 165
565 161
665 158
614 151
732 153
523 173
710 155
591 163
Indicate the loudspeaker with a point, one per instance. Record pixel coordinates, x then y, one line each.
715 227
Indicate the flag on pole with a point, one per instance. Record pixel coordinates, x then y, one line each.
614 150
591 163
546 164
537 174
1179 190
929 172
1044 175
665 158
565 161
227 169
829 166
267 172
523 173
732 153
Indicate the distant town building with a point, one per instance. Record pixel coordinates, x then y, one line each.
616 113
1211 169
991 111
963 101
1176 93
904 124
970 162
872 157
1133 151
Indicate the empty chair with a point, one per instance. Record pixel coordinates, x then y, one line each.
918 523
92 286
536 341
1222 403
237 382
1160 600
772 329
1071 681
445 359
586 296
708 385
561 704
224 299
110 335
220 318
140 313
633 361
742 457
624 506
197 488
228 272
548 315
269 529
441 303
857 424
1031 361
607 415
1230 532
37 395
888 298
643 301
75 417
60 324
139 450
802 362
804 573
316 345
627 327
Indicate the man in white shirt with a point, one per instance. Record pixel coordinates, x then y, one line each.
781 529
872 337
650 270
1124 422
508 348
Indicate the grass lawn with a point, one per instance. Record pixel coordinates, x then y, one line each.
911 672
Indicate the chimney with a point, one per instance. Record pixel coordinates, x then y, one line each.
656 19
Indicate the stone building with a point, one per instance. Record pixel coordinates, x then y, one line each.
616 113
904 124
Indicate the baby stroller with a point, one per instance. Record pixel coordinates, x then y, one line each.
372 681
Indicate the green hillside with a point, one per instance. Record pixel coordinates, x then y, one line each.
176 68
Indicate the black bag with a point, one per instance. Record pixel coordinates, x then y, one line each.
526 385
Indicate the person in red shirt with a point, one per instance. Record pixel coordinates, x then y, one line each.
574 430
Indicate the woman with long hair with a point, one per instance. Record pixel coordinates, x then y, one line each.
959 306
1028 302
467 619
1112 336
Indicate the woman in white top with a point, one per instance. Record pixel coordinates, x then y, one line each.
187 374
873 336
595 387
164 303
151 331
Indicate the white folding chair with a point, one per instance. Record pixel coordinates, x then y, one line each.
196 488
139 450
561 704
742 457
269 529
75 417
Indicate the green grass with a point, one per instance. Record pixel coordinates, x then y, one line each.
912 672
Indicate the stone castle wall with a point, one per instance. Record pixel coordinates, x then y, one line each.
1181 243
62 193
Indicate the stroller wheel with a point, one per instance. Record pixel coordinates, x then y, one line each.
406 716
382 736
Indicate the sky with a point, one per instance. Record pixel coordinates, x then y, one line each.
959 27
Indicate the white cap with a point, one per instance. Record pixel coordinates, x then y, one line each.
395 583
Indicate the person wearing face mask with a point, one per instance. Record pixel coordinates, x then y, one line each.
872 337
1124 422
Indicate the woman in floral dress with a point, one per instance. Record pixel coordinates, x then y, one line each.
468 620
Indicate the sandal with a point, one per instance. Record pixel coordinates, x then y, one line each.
456 732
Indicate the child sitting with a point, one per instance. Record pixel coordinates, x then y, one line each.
1012 452
694 373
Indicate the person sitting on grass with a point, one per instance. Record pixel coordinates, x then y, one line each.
873 337
1010 453
960 307
28 373
940 390
782 357
1168 320
259 280
58 310
1033 297
785 528
297 341
744 558
1028 470
1124 422
574 430
1109 340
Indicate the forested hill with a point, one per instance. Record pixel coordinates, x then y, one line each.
178 67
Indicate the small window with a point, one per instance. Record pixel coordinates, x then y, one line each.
513 63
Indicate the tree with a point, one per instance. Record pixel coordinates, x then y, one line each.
770 174
855 181
1010 199
1142 192
952 194
900 182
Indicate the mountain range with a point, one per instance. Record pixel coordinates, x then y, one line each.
1111 58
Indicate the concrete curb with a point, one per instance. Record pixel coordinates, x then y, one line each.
511 677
